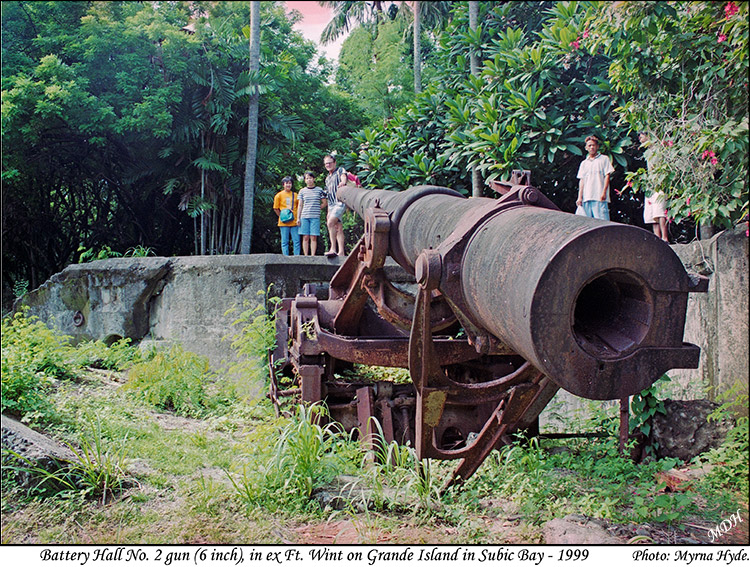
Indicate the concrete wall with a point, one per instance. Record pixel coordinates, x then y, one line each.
717 321
182 299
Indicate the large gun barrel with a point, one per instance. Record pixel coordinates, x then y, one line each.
597 306
515 299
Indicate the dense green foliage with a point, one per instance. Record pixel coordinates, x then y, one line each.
535 101
34 357
124 124
372 69
683 70
31 355
376 63
178 381
553 73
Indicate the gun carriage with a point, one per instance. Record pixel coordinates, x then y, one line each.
513 300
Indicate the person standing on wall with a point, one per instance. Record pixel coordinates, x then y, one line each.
311 199
285 205
655 202
593 185
336 178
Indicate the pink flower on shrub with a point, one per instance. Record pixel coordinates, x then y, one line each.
714 161
575 44
585 34
688 200
722 38
708 154
669 143
731 9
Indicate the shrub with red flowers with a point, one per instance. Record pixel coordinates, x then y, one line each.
731 9
683 67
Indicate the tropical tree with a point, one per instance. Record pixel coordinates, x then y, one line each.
417 30
682 68
476 179
379 20
536 98
371 69
347 14
252 129
423 17
125 124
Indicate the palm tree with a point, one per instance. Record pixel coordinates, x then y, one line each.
348 13
476 179
252 131
417 48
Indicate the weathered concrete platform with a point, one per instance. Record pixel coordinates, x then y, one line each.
185 299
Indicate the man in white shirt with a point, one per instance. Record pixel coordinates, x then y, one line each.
593 185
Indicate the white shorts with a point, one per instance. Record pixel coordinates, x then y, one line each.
336 211
654 207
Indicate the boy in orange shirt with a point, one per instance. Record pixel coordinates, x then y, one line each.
285 206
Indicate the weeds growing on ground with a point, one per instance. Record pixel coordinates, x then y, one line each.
179 381
584 477
729 462
305 455
120 355
255 339
34 356
234 463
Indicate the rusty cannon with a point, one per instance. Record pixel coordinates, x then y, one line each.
512 299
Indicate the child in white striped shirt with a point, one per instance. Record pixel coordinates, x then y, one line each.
311 199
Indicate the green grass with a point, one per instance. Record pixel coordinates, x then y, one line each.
167 452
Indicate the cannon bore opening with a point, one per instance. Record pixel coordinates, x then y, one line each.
612 314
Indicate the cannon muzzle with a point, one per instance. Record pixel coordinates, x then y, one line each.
597 306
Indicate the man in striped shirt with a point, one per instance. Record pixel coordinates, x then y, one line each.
336 178
311 198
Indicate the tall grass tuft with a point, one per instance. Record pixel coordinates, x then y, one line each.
96 469
305 456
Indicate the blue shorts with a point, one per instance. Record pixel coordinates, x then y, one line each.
310 227
596 209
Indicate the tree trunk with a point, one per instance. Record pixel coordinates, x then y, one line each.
203 197
252 131
417 50
476 178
